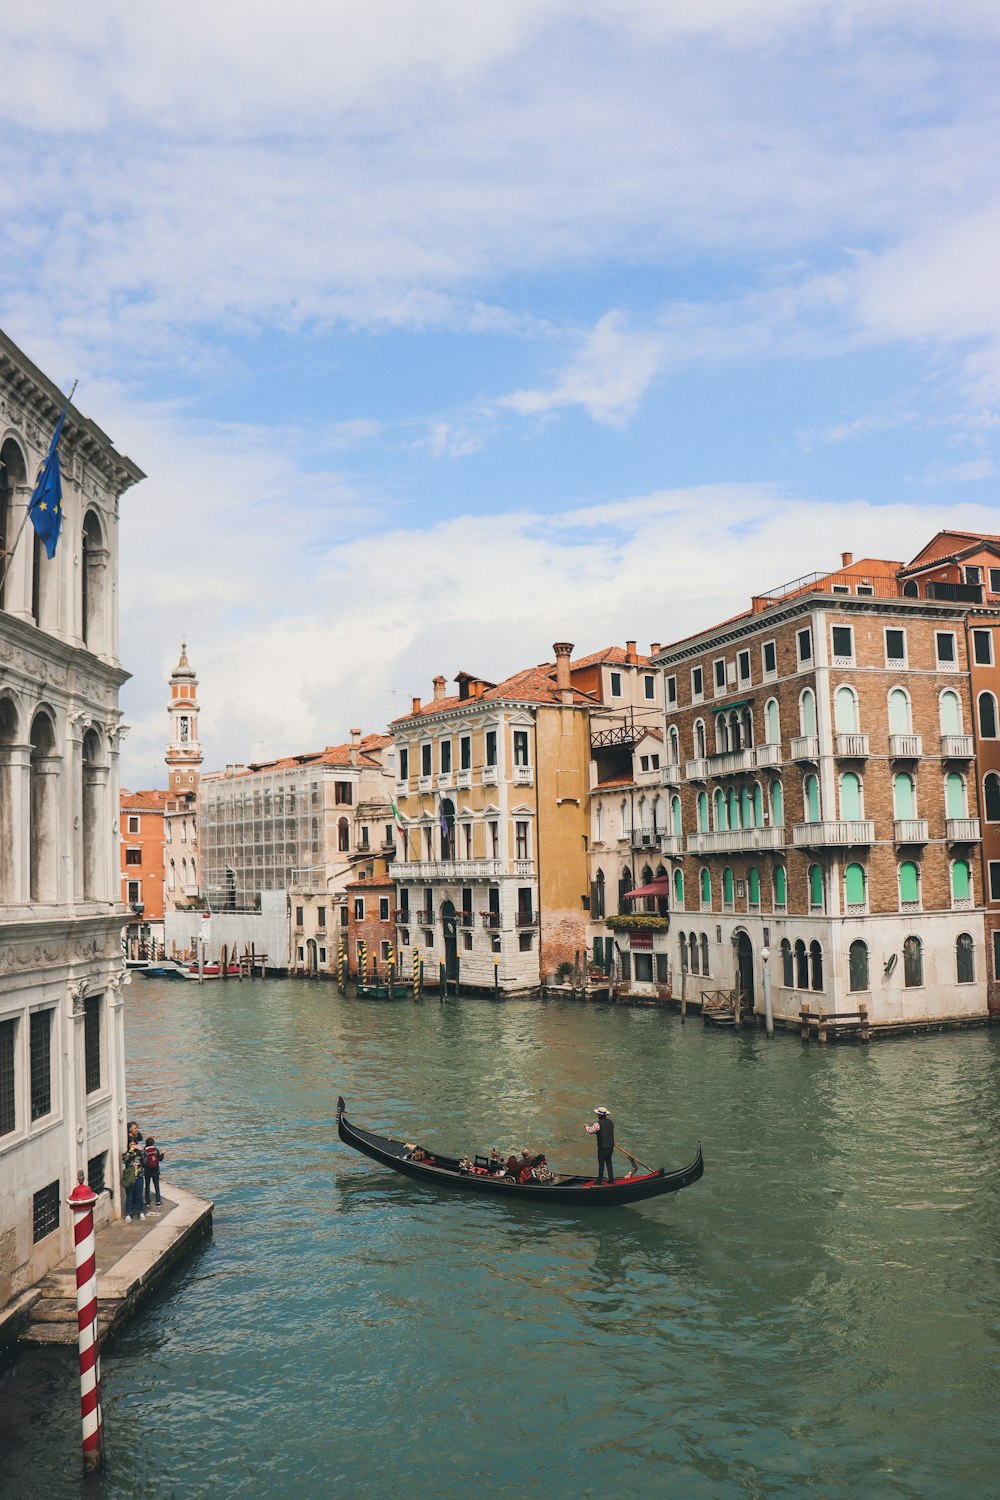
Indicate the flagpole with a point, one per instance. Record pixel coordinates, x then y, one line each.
9 558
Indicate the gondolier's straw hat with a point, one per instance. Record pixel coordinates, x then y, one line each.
600 1110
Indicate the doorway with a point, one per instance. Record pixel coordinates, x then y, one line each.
744 970
450 926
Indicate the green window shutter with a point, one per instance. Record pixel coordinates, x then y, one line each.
777 805
815 885
780 886
727 884
754 880
909 882
706 887
854 883
961 881
679 887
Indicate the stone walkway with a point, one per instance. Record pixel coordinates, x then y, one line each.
131 1260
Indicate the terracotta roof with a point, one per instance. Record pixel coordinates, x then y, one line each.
531 685
614 656
623 780
333 755
143 801
382 881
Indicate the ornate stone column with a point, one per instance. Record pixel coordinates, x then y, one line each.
15 794
44 881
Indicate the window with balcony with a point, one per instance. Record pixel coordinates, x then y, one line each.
520 747
987 716
772 724
850 797
857 966
913 963
679 890
743 668
769 659
779 882
728 889
950 712
732 808
521 840
900 712
965 959
720 814
493 833
842 644
810 800
701 809
904 797
991 797
445 757
909 886
845 711
719 674
807 713
895 648
955 799
706 889
698 738
465 752
491 747
426 760
404 763
804 647
961 883
945 650
982 648
697 684
365 836
817 889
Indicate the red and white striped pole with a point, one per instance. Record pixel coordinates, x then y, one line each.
81 1200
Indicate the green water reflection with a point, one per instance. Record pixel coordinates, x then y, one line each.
817 1316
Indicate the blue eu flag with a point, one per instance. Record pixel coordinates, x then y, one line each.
45 505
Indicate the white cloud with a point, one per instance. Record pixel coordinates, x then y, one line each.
608 377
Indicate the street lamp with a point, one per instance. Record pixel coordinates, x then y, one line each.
765 954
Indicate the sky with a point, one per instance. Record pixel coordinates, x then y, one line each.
444 330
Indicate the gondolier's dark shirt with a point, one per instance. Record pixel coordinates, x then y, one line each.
605 1133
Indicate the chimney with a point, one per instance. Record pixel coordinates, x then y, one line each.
416 706
563 650
846 558
355 742
476 688
630 651
654 648
438 689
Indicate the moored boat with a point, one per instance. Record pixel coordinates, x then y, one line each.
445 1171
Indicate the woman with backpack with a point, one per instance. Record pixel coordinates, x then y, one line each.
151 1168
132 1169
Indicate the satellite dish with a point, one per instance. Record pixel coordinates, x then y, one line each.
891 963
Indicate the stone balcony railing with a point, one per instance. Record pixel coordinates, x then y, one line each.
957 746
906 746
671 773
425 783
463 779
523 775
834 832
962 830
671 843
447 869
911 830
734 840
491 775
767 755
851 746
696 770
805 747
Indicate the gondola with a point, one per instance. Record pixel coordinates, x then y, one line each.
443 1171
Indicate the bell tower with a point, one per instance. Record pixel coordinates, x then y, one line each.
183 755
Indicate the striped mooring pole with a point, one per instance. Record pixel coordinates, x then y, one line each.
392 969
81 1200
341 965
362 962
415 973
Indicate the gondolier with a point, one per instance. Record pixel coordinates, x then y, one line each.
604 1129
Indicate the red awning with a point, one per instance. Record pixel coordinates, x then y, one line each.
658 887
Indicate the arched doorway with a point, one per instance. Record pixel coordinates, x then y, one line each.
744 970
312 957
450 926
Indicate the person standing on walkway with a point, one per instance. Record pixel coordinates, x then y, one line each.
132 1181
152 1156
604 1129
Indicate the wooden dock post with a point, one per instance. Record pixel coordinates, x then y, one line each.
866 1031
804 1018
684 983
821 1025
225 961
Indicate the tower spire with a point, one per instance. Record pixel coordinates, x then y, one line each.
183 756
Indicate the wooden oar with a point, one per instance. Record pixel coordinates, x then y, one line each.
633 1158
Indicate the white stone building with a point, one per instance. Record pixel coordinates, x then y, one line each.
62 1073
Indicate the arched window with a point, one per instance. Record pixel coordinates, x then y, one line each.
845 711
746 808
625 884
961 882
721 734
648 902
735 735
597 898
810 799
343 836
719 809
706 890
673 745
733 808
965 959
662 903
801 965
758 806
780 888
753 886
772 724
955 805
950 712
904 801
817 900
909 886
900 717
727 888
807 712
702 812
599 823
858 965
675 815
44 811
991 797
13 473
913 963
698 736
172 876
787 971
704 953
910 589
815 965
855 894
690 944
682 944
746 728
679 889
850 796
777 805
93 569
92 816
987 716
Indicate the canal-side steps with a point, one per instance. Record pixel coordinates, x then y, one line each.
132 1259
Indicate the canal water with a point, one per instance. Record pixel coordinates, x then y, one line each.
817 1317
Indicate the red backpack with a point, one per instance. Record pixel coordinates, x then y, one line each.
152 1159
